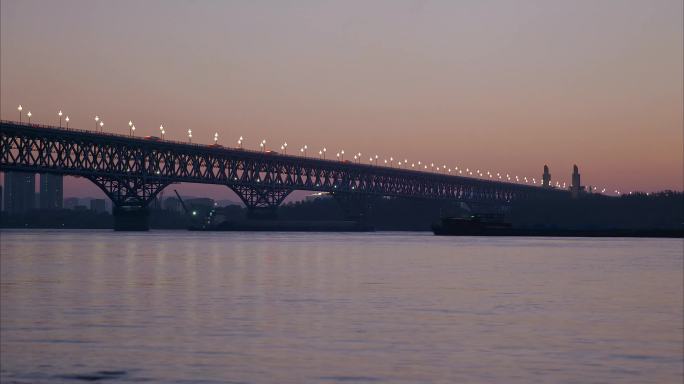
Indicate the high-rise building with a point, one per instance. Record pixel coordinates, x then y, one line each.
20 191
51 191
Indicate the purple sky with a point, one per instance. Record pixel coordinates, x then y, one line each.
505 86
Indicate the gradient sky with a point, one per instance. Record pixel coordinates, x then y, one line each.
505 86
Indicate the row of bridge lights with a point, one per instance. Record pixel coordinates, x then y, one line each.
373 160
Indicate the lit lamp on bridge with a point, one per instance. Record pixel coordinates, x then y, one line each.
216 138
29 117
97 119
376 160
324 151
240 142
66 119
101 126
60 118
284 147
130 128
161 129
190 136
262 145
19 108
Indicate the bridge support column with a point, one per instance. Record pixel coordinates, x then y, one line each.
131 218
130 196
262 202
356 206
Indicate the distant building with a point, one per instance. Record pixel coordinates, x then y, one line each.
71 202
317 195
200 202
51 191
97 205
576 188
173 204
19 192
546 177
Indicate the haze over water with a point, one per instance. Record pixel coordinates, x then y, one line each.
375 307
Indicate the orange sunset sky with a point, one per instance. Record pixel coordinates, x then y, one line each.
504 86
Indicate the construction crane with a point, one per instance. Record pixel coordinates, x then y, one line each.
182 203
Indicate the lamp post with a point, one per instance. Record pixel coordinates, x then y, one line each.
342 153
190 136
66 119
60 118
133 130
97 120
284 147
29 117
240 142
130 128
19 108
163 132
324 151
376 160
101 126
215 138
161 129
262 145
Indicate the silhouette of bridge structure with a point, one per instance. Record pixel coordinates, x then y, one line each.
133 170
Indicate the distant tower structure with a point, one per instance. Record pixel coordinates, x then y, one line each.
576 188
546 177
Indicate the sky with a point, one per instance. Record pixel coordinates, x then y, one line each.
504 86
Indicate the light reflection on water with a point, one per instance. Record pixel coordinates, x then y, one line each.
379 307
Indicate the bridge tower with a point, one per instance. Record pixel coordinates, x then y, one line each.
576 188
546 177
130 197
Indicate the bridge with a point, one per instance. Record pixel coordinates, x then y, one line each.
133 170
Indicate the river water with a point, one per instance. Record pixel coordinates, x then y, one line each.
188 307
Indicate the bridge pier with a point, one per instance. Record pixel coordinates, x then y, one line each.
262 202
130 196
355 206
131 218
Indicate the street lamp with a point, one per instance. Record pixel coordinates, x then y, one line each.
376 159
60 118
130 128
240 142
163 132
101 126
29 117
161 129
342 153
189 135
133 130
97 119
284 147
66 119
324 151
19 108
263 145
215 138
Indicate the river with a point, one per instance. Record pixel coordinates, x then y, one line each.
191 307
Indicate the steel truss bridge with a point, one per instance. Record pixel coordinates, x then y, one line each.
132 170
